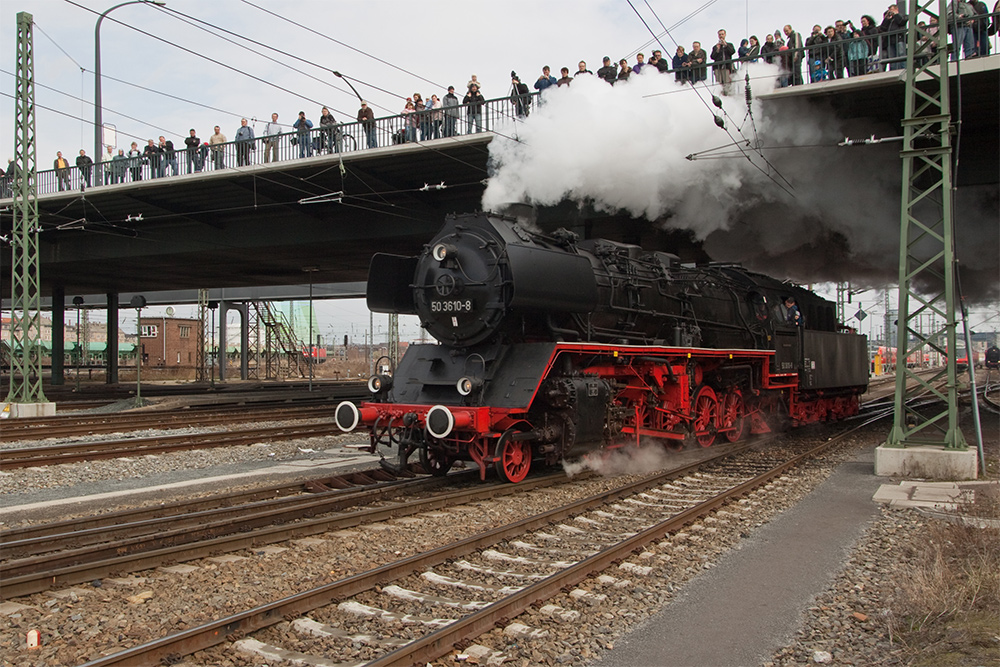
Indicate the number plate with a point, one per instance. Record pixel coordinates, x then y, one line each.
452 306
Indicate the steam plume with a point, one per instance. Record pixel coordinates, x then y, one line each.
623 148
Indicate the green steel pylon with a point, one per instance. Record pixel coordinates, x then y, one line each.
25 330
926 249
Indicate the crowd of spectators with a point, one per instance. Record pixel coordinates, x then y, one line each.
843 49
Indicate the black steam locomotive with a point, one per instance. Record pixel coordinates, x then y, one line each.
550 345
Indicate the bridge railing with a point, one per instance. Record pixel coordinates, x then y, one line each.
495 115
852 56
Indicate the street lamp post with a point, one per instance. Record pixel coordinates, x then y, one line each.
138 302
212 305
98 120
309 360
78 302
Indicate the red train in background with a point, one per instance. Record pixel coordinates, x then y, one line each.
550 346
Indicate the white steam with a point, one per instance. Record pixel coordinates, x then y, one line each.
653 455
623 148
619 148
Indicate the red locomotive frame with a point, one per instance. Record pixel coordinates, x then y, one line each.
674 394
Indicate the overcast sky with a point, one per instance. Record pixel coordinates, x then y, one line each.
389 48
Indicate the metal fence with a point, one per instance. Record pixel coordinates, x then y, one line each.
496 115
833 60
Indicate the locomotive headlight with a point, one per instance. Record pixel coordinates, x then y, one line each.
467 385
443 251
379 384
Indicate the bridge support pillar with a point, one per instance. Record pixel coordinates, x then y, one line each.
111 349
58 335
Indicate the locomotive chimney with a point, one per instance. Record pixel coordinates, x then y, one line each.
525 214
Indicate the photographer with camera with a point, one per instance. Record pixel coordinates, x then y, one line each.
893 29
520 96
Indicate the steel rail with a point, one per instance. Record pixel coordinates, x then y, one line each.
101 542
89 451
344 482
436 644
118 422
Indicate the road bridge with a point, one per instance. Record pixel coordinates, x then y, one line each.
265 224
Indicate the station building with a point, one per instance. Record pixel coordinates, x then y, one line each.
169 341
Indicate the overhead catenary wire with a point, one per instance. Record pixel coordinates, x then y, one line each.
718 120
90 103
69 115
194 22
718 103
676 25
344 44
309 62
171 96
247 74
202 56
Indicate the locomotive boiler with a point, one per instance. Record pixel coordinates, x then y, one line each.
549 345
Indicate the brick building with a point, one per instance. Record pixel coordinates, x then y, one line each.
169 341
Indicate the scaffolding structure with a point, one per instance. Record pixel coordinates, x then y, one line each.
253 351
201 371
282 352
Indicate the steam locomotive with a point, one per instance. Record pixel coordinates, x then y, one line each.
550 346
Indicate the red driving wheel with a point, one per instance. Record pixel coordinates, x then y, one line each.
513 457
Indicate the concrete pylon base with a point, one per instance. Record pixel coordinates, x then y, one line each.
926 462
14 410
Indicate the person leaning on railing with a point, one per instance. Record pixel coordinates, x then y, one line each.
367 119
169 155
332 136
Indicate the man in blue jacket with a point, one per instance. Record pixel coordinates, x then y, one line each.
546 80
303 125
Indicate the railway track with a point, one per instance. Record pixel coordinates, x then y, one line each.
37 558
68 426
454 593
89 451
